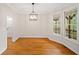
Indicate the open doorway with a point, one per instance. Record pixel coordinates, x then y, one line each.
9 30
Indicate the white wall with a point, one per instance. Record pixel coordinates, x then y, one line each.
4 12
28 28
3 32
22 27
70 43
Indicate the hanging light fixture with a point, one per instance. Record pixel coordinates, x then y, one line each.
33 16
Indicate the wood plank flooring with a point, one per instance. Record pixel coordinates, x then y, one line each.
36 46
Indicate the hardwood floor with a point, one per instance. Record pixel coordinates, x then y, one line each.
36 46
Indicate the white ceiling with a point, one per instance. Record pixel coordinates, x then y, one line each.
26 8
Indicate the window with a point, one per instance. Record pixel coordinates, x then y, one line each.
56 24
71 23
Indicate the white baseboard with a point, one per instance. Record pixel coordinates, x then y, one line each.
28 36
69 44
54 39
3 50
34 36
57 38
14 39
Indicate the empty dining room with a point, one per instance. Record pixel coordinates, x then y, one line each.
39 28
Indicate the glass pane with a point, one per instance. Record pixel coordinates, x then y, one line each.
71 23
56 25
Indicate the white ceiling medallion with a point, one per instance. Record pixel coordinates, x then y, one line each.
33 16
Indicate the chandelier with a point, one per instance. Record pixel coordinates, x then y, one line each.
33 16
